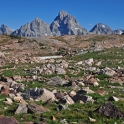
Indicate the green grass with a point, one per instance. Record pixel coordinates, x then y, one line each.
10 65
2 105
15 37
99 38
102 76
59 38
110 57
33 84
3 41
21 41
18 70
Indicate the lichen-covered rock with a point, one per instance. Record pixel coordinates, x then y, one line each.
8 120
38 94
110 110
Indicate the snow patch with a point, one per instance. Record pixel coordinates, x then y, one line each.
50 57
13 29
76 28
103 26
120 32
57 24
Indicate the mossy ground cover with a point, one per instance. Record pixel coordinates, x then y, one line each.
110 57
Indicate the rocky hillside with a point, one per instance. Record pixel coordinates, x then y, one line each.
62 79
5 30
37 28
65 24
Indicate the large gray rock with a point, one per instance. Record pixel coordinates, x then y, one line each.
67 100
8 101
56 81
36 28
60 70
2 54
34 108
110 110
22 108
89 62
101 29
113 98
8 120
18 86
5 30
46 95
38 94
83 98
65 24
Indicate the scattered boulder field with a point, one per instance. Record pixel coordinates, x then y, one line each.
62 79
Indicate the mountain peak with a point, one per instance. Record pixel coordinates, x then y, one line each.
118 31
3 26
65 24
5 30
37 19
101 25
63 13
36 28
100 28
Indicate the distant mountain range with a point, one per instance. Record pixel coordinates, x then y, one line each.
63 24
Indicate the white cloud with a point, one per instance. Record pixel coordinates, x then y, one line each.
13 29
90 24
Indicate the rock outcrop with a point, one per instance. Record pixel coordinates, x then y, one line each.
8 120
109 110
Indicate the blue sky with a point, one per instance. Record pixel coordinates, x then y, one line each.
15 13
